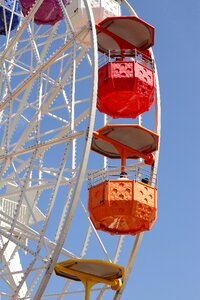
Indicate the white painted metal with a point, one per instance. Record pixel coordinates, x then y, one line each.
48 85
42 115
101 9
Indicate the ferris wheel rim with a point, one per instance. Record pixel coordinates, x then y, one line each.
72 208
157 128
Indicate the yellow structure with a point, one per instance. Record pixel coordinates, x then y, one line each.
91 272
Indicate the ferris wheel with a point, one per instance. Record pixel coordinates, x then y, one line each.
53 59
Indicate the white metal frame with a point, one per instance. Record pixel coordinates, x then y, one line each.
26 188
25 154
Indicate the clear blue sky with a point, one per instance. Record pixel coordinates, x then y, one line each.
168 263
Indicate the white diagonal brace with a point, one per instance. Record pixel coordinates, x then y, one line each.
20 88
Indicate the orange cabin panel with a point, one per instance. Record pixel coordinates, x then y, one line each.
125 89
122 206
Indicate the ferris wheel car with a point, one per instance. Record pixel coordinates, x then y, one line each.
123 206
126 86
101 10
9 20
126 89
49 12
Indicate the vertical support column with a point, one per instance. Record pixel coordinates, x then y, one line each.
88 285
123 162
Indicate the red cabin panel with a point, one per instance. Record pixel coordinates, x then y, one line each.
125 89
48 13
